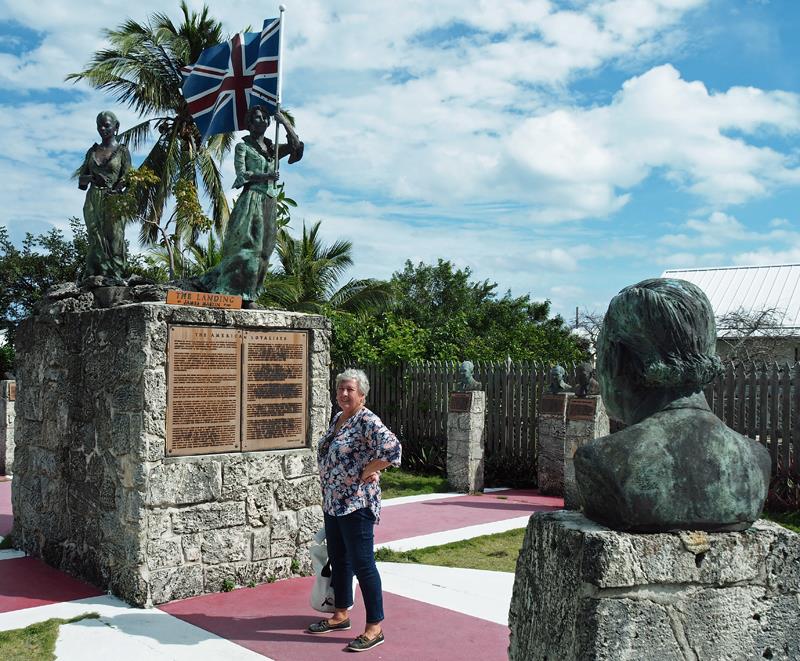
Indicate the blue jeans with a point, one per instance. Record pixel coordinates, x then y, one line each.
350 540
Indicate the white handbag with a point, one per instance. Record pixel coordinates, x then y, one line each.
322 598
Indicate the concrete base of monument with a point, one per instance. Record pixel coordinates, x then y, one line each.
583 591
96 492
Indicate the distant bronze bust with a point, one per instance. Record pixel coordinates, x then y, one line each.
676 466
586 385
557 383
466 381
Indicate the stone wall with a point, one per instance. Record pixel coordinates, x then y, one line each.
582 591
552 426
579 431
93 493
7 403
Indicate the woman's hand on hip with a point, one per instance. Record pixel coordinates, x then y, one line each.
375 476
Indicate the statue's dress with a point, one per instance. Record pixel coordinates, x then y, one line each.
251 231
680 468
105 233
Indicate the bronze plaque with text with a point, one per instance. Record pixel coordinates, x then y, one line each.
553 404
12 391
203 383
459 402
581 408
274 392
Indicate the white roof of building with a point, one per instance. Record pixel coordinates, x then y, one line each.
749 289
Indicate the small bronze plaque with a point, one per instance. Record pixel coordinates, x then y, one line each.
203 300
12 391
274 410
553 405
203 383
460 402
581 408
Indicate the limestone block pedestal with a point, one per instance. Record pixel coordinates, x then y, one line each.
586 420
465 422
550 448
582 591
8 390
94 492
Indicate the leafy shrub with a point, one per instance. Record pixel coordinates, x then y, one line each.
784 488
515 470
425 456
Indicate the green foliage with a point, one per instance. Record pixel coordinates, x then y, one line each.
425 456
466 319
385 339
790 520
28 271
228 585
516 471
295 566
397 482
308 275
6 359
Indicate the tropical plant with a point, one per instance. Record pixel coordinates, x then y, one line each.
308 275
142 68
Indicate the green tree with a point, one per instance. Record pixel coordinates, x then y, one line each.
308 273
466 319
28 271
141 68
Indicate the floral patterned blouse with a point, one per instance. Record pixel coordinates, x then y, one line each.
342 457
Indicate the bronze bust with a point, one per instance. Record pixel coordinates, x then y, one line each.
466 381
676 466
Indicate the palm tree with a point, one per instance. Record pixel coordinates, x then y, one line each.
142 68
308 274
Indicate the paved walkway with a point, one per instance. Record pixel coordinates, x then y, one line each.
435 613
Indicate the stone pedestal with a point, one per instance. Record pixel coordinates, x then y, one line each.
586 420
94 493
583 591
550 447
8 390
465 421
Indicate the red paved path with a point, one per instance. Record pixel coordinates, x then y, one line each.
27 582
6 518
270 619
430 516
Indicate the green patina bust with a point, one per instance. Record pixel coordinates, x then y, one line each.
676 466
466 381
557 384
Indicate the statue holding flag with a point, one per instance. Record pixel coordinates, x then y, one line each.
251 231
233 86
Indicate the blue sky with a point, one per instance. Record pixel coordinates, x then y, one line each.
562 149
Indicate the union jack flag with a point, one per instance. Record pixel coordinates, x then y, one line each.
229 78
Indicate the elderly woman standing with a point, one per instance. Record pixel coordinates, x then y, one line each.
356 447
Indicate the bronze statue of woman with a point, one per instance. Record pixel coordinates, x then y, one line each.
103 173
251 231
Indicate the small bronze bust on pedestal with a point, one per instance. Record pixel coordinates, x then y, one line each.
466 381
557 383
587 385
676 466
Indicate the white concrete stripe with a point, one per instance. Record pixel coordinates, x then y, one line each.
10 554
483 594
405 500
456 535
124 633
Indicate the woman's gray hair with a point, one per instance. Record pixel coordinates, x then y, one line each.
355 375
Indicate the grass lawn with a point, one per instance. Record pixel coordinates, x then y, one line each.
36 642
790 520
494 552
397 482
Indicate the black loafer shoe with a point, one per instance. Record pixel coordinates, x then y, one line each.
362 643
324 627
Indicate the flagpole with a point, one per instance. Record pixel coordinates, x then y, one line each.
282 9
